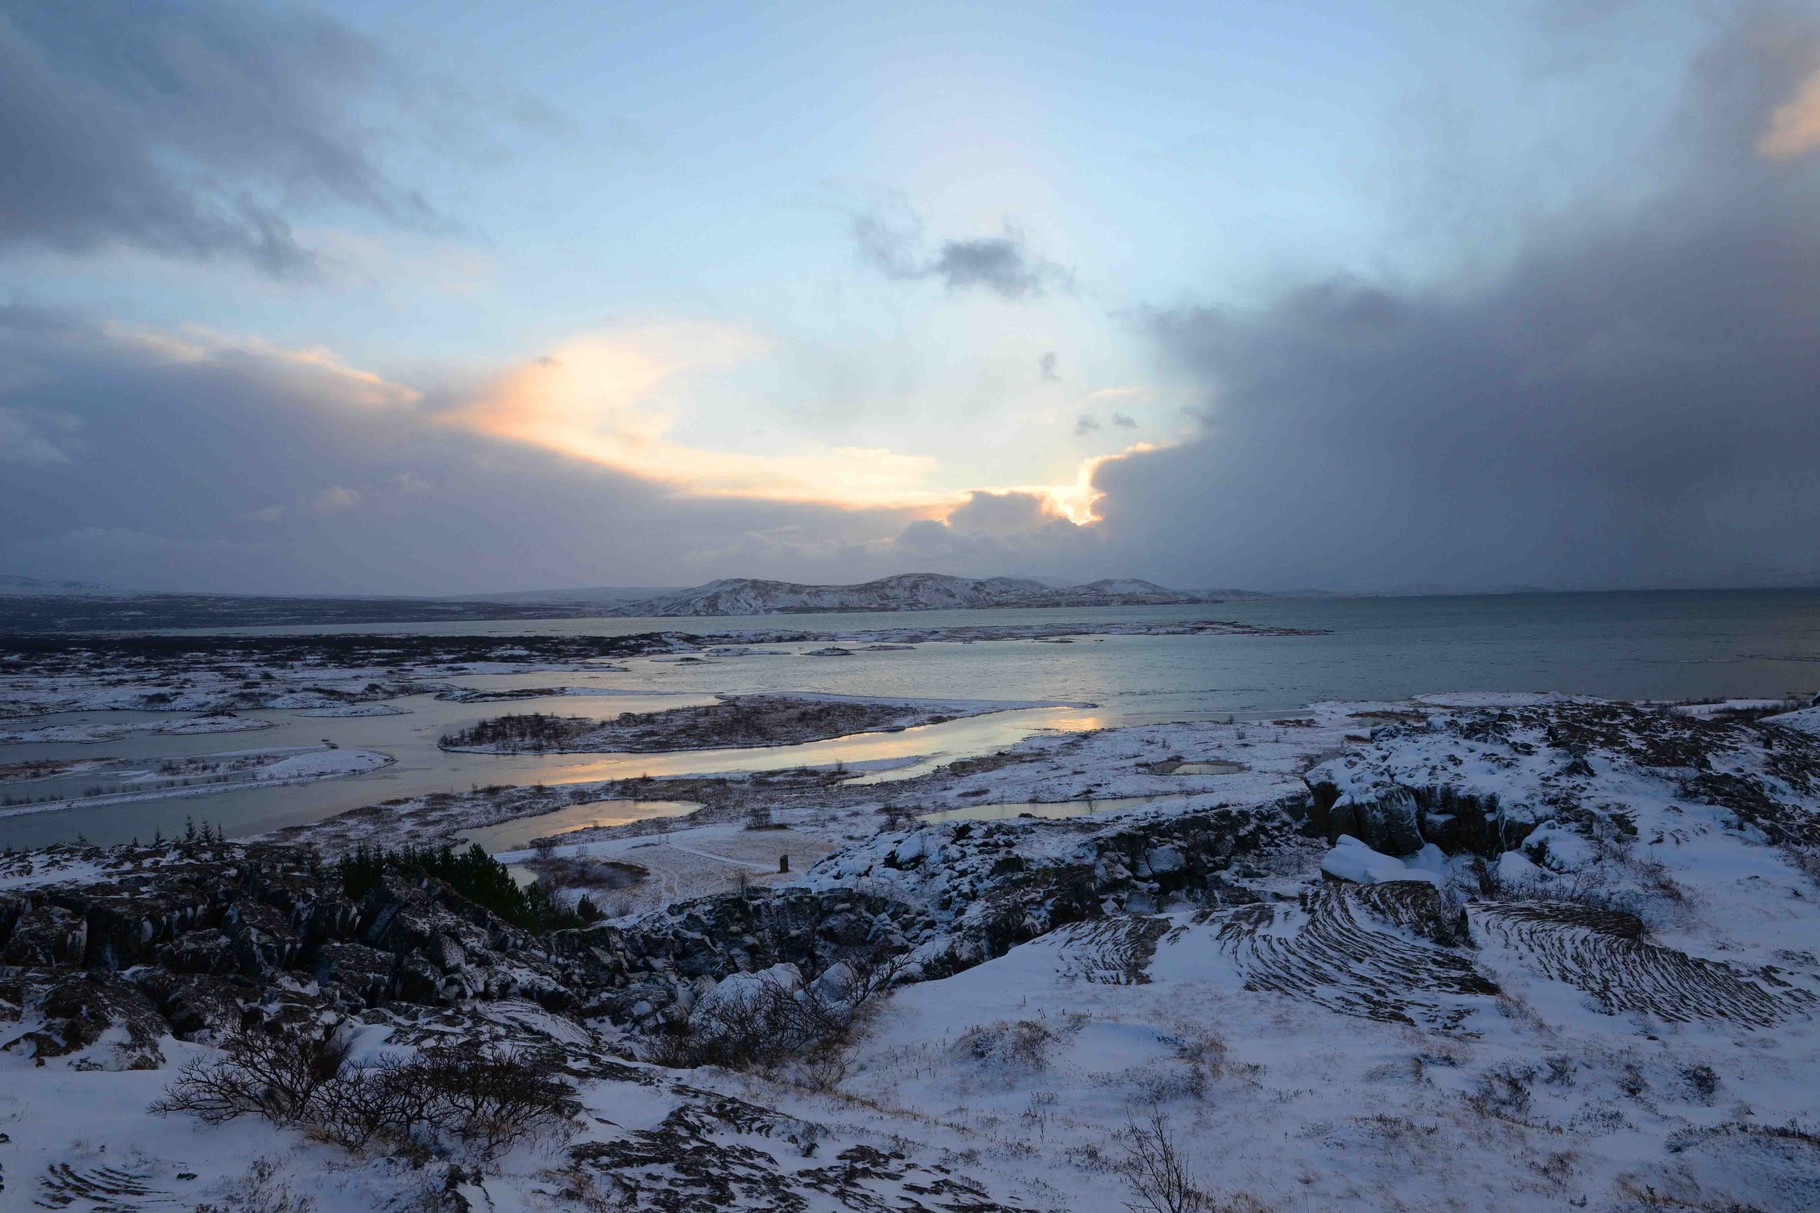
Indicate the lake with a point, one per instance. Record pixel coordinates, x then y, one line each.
1669 645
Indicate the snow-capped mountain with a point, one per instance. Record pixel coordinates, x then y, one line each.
904 592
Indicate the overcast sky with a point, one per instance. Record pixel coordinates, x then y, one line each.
398 296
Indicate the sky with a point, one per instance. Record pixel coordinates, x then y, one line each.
400 297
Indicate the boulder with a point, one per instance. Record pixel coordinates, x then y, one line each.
205 951
76 1010
46 935
365 973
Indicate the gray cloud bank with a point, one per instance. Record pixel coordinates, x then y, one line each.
1633 400
235 467
199 129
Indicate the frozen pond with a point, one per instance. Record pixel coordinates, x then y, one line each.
517 834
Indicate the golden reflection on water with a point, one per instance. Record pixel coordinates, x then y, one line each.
935 744
519 831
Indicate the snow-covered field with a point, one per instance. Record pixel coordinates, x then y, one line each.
1471 952
113 731
134 782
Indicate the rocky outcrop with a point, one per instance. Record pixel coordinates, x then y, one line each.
213 937
73 1010
1399 820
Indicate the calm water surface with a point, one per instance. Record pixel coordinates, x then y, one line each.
1631 645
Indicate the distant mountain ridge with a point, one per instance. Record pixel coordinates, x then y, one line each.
904 592
14 583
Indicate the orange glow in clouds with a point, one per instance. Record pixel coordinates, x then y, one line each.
1794 129
614 399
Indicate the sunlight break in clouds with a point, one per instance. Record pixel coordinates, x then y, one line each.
614 398
1075 502
1794 128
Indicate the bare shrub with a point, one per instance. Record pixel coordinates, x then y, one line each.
380 1099
1013 1044
278 1075
1704 1081
454 1096
489 1100
261 1191
856 985
1503 1092
1159 1178
770 1027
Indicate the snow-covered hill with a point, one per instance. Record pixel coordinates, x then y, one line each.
904 592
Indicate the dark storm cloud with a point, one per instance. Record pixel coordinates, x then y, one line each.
891 241
1634 400
198 129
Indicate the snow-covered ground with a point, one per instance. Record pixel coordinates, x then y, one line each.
1481 953
689 862
1807 720
205 775
113 731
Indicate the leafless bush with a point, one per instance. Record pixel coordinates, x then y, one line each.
261 1191
278 1075
769 1027
859 984
766 1026
1013 1044
455 1096
1154 1170
490 1100
379 1099
1589 887
1503 1092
